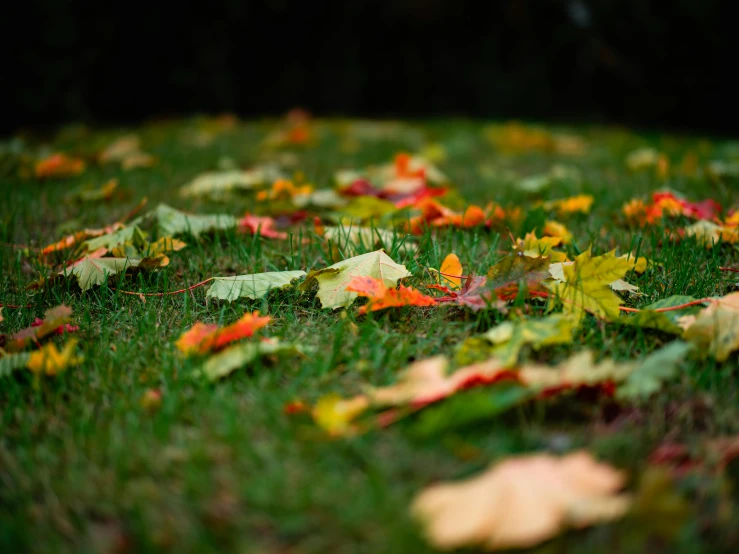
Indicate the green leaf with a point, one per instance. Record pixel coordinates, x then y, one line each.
656 368
115 239
174 222
332 281
11 362
231 359
367 207
252 286
95 271
470 407
510 337
663 321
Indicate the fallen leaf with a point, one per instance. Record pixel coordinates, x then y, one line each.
54 320
59 166
95 271
649 318
521 502
252 286
174 222
586 285
48 360
510 337
202 338
715 330
656 368
333 280
451 272
335 415
234 357
105 192
263 226
573 204
381 297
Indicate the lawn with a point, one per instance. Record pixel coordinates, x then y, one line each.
135 449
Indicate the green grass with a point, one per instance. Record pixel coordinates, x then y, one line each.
220 467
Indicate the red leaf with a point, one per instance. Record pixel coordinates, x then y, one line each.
202 338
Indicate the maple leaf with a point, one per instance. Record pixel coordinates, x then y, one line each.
59 166
435 214
556 229
48 360
283 189
54 319
521 501
202 338
585 286
174 222
659 366
510 337
333 280
126 150
715 329
382 297
252 286
95 271
230 359
664 321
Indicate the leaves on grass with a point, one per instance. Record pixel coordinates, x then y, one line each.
215 183
333 280
521 502
252 286
205 337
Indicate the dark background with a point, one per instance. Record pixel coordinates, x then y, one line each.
639 62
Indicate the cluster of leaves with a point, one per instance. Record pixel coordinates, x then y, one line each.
542 290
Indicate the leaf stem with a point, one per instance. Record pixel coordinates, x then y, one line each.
180 291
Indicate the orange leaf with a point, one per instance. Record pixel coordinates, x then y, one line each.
381 297
59 165
521 502
451 271
203 338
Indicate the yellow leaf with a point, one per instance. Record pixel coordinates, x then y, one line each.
50 361
451 272
521 502
556 229
335 415
576 371
586 285
581 203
